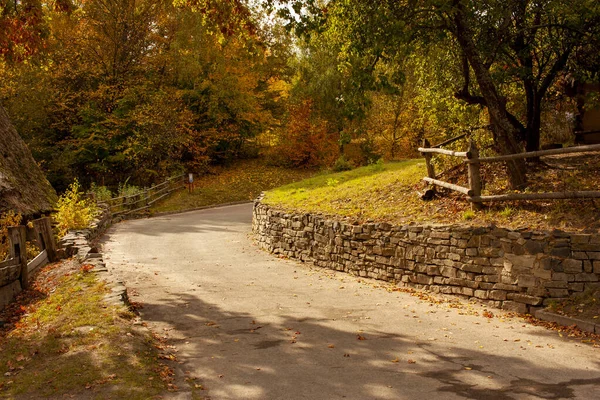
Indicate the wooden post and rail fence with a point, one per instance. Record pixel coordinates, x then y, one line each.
16 267
143 200
15 270
474 161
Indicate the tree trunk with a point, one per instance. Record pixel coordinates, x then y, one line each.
505 133
534 123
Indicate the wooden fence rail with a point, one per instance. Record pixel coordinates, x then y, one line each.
124 205
471 157
16 267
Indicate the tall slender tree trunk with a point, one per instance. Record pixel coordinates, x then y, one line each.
505 133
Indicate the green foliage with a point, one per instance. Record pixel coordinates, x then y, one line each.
166 89
507 212
377 166
101 193
73 210
468 215
125 189
332 182
341 164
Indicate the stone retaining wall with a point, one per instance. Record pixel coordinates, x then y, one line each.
79 244
513 270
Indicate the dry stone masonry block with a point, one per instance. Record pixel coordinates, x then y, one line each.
513 270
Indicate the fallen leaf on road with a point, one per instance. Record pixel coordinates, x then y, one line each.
410 361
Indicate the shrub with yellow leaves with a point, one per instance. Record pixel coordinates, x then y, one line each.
74 211
7 219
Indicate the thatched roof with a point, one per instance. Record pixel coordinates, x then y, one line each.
23 186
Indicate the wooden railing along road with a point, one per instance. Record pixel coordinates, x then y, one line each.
16 267
471 157
124 205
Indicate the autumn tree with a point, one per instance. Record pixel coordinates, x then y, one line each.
503 47
140 89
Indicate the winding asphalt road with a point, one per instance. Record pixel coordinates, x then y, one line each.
247 325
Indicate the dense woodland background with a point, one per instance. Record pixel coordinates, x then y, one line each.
117 91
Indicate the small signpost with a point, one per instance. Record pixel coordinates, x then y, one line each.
190 181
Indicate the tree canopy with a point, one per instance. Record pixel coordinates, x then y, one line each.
111 90
507 55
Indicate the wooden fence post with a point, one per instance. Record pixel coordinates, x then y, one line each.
43 226
18 250
430 168
474 175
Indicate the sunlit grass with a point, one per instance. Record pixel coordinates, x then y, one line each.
72 343
391 193
370 192
243 181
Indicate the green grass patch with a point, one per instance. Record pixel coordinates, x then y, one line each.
243 181
68 342
389 192
371 192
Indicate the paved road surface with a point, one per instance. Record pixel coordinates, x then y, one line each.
248 325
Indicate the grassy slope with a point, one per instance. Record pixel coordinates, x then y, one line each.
243 181
388 193
62 340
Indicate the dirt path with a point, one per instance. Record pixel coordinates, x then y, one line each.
247 325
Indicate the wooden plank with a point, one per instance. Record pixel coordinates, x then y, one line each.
18 239
39 261
159 198
450 186
591 194
43 227
540 153
146 190
464 154
9 274
181 176
450 141
9 262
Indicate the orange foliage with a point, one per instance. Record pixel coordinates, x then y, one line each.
306 141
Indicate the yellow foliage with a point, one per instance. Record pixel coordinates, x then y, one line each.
73 210
7 219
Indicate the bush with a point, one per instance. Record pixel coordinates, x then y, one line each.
101 193
377 166
126 189
7 219
341 164
74 211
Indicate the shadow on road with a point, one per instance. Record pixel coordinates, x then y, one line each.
237 356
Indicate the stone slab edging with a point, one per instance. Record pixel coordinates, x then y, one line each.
79 244
516 270
586 326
